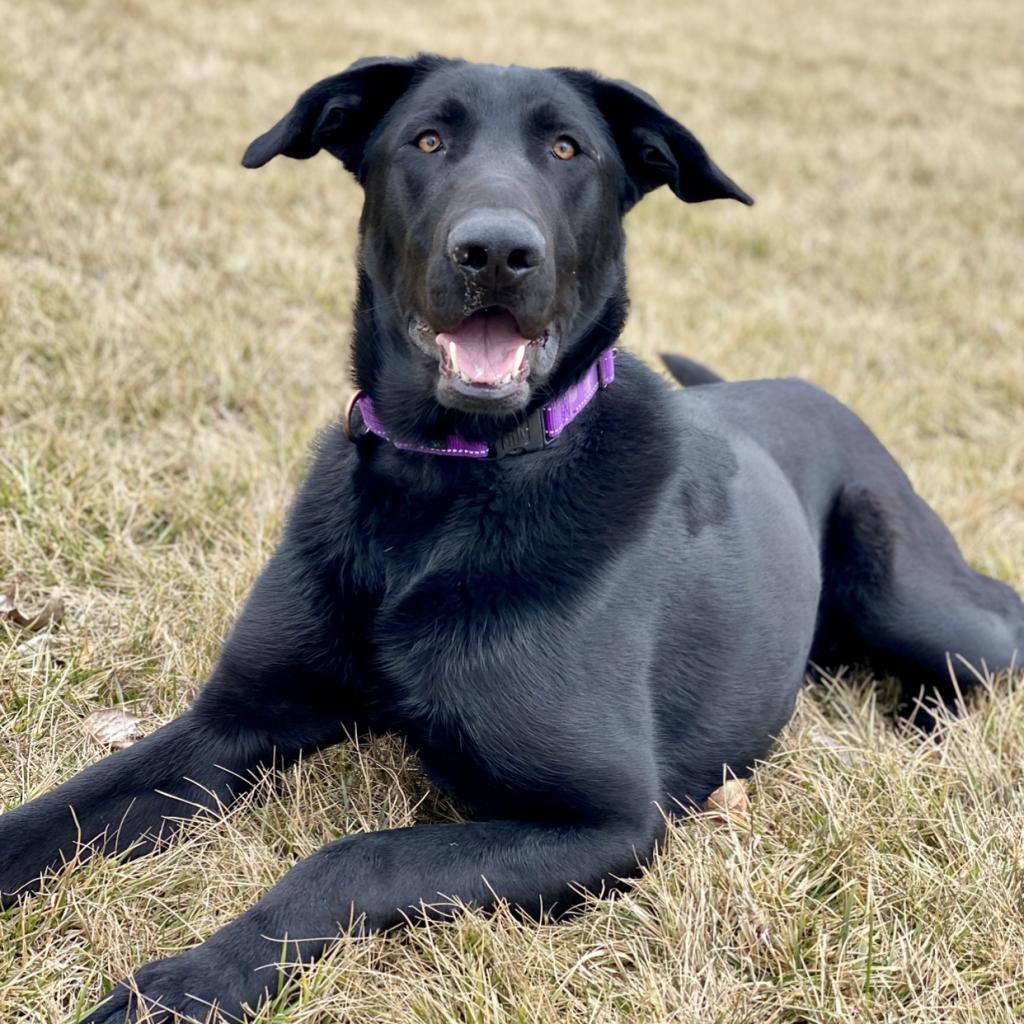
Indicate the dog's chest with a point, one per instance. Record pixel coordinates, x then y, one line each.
466 623
455 627
463 592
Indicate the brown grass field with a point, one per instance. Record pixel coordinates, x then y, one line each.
173 332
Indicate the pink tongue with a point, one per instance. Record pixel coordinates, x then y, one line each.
486 345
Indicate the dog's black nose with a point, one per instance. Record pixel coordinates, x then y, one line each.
496 246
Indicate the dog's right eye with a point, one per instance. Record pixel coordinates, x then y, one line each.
429 142
564 148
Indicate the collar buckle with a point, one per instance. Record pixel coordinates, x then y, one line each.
530 436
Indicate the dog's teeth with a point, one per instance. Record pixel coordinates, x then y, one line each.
453 356
520 353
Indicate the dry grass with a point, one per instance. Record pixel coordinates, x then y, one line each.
173 332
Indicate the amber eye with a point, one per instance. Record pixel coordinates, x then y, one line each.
429 142
564 149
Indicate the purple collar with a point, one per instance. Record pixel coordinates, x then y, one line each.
539 430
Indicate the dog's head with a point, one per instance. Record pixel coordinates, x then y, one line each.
492 244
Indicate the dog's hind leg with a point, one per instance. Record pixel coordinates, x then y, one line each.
899 595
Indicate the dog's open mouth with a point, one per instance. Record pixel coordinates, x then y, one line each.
487 350
486 360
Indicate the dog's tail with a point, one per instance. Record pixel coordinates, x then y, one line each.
688 372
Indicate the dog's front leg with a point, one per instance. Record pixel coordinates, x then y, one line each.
378 880
126 800
277 690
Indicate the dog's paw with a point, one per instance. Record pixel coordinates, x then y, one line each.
186 989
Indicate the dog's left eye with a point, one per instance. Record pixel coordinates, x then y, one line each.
429 142
564 148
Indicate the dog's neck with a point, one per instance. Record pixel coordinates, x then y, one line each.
387 369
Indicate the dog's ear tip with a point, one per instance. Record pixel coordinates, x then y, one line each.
256 154
730 190
742 195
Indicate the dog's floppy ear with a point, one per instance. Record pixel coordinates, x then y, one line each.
656 149
339 113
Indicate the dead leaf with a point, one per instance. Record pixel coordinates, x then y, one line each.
729 802
51 614
113 728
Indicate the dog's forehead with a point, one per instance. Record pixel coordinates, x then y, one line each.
494 91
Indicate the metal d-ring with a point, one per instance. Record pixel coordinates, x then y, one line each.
350 408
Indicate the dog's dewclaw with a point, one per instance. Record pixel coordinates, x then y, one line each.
114 729
729 801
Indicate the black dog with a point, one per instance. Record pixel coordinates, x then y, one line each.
571 630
